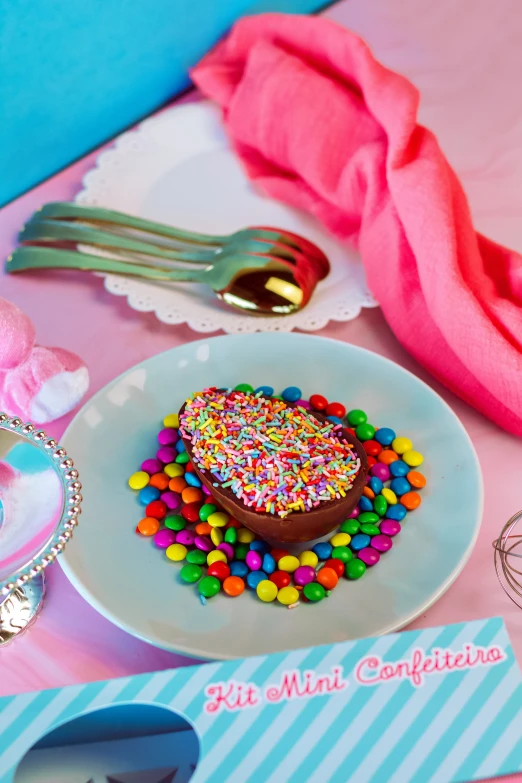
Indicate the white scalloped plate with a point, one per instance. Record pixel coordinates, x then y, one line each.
178 168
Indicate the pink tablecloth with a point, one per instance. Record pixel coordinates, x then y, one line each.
471 99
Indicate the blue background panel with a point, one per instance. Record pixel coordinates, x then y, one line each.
73 73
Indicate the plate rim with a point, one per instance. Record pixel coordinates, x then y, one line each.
187 650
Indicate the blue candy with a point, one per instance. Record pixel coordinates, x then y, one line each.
266 391
375 485
148 494
323 550
269 564
365 504
180 446
400 486
335 419
291 394
191 479
399 468
238 568
397 512
385 436
260 546
254 578
359 541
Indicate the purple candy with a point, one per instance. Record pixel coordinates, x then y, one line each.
253 560
382 543
152 466
166 454
304 404
204 543
164 538
171 499
355 513
369 556
381 471
390 527
205 490
167 437
303 575
185 537
228 549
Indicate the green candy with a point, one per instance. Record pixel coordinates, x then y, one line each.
241 551
182 458
355 569
175 522
380 505
357 417
370 530
365 431
342 553
196 557
231 535
191 573
209 586
314 591
206 510
368 517
246 388
350 526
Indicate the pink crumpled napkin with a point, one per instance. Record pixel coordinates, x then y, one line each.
321 125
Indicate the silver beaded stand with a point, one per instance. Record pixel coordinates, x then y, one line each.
21 596
508 558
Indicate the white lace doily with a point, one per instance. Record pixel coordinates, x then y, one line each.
178 168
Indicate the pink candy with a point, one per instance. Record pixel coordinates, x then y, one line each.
166 454
164 538
185 537
204 543
253 560
355 513
382 543
167 437
228 549
369 556
390 527
171 499
152 466
304 575
381 471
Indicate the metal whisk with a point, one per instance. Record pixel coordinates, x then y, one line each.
508 562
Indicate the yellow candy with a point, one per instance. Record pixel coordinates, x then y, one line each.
244 536
172 420
308 558
288 563
218 519
216 536
266 591
340 539
176 552
215 556
173 470
389 495
288 595
139 480
400 445
413 458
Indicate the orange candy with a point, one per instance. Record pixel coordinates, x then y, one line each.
177 484
203 529
160 481
233 586
387 456
191 495
416 479
327 578
148 526
368 493
411 500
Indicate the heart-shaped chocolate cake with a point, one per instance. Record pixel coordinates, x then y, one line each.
288 475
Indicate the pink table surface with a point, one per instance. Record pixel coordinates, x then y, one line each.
471 97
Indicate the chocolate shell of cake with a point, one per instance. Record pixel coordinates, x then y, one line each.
298 526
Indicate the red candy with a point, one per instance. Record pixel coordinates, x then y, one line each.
372 448
280 579
277 554
219 570
337 565
157 509
190 512
189 467
318 402
335 409
371 461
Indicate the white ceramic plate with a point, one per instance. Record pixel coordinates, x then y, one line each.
178 168
133 584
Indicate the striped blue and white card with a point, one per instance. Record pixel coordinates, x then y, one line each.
441 705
